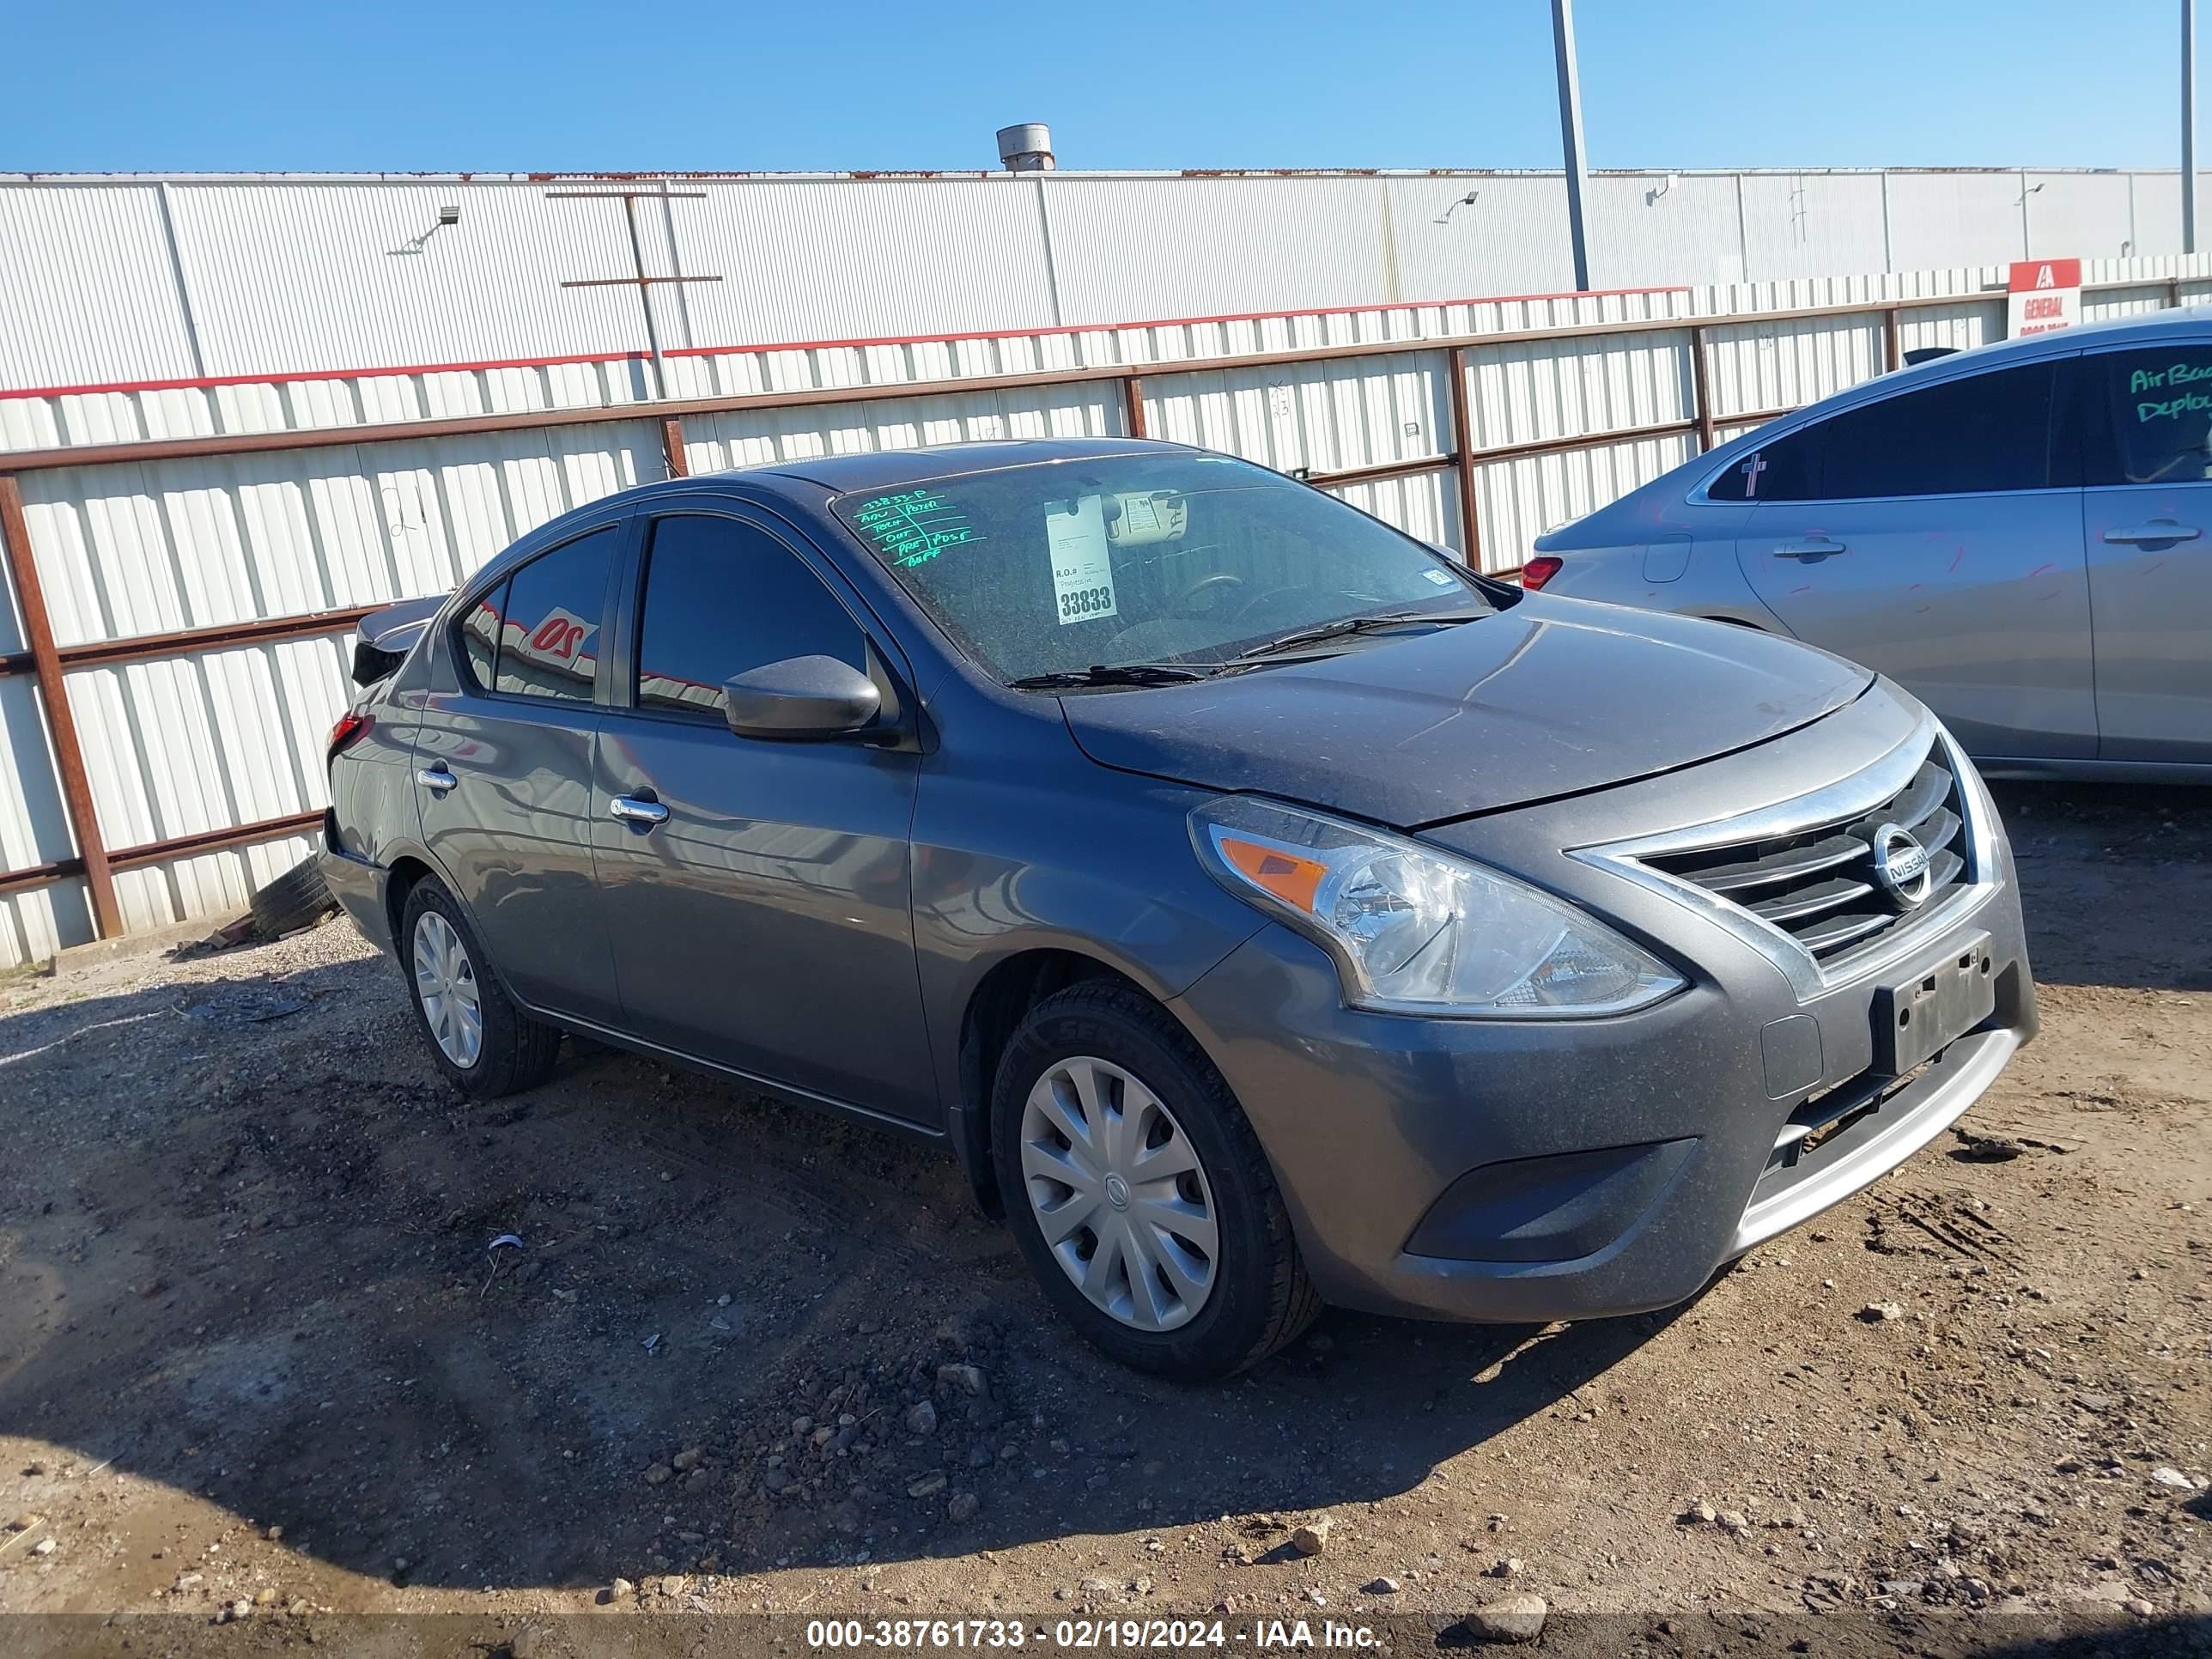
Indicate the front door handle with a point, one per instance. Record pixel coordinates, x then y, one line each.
2157 530
436 778
1811 550
631 810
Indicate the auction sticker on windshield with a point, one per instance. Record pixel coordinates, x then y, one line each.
1082 569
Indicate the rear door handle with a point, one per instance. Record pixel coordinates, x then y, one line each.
2158 530
1811 550
630 810
436 778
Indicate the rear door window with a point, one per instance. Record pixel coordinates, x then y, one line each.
2147 417
1776 472
1985 433
536 635
721 597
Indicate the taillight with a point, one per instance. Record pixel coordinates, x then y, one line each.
353 726
1540 570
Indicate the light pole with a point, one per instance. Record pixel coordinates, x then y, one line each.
1571 132
2189 126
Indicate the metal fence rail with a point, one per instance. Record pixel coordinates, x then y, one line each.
1457 473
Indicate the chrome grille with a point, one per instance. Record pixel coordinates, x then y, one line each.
1819 884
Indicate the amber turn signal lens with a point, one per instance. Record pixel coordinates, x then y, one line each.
1290 879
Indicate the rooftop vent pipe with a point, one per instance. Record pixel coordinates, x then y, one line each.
1027 148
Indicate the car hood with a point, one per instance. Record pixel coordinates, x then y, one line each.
1550 697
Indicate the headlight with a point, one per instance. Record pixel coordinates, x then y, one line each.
1415 930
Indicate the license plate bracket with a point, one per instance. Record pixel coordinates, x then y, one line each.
1915 1018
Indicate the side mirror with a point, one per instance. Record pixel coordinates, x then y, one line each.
802 698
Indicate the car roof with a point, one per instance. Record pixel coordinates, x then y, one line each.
1628 516
2153 328
891 469
2150 328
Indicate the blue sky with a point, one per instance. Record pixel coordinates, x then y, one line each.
104 85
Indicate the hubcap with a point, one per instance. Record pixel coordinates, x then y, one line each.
1117 1189
445 981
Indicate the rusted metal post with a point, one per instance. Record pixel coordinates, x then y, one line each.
1892 338
61 723
672 446
1132 406
1701 388
1463 456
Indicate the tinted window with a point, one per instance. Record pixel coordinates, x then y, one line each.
1774 472
2149 415
536 633
1984 434
480 635
722 597
548 620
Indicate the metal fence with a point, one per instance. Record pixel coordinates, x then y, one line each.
185 558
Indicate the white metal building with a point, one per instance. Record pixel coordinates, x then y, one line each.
124 278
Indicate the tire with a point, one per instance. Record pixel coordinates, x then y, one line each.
295 899
1143 1069
512 1051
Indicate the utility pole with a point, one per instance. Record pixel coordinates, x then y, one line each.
2189 126
1571 130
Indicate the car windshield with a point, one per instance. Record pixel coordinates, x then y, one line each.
1147 564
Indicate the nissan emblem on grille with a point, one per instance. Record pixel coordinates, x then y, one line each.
1900 863
1837 880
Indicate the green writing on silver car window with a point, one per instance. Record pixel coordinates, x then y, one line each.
913 527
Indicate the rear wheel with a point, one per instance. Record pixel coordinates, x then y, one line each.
1138 1192
483 1042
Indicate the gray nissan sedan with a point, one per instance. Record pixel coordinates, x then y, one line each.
1265 911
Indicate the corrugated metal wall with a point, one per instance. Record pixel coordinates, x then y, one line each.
293 277
753 437
127 281
846 259
158 547
86 296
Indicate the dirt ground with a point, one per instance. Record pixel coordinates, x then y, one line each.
256 1353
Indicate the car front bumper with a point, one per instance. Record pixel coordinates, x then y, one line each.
1530 1170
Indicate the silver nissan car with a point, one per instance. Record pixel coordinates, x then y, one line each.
1264 910
2018 535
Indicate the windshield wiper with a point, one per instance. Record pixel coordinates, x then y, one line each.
1125 673
1169 673
1344 626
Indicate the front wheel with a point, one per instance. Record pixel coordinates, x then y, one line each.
1139 1192
485 1045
